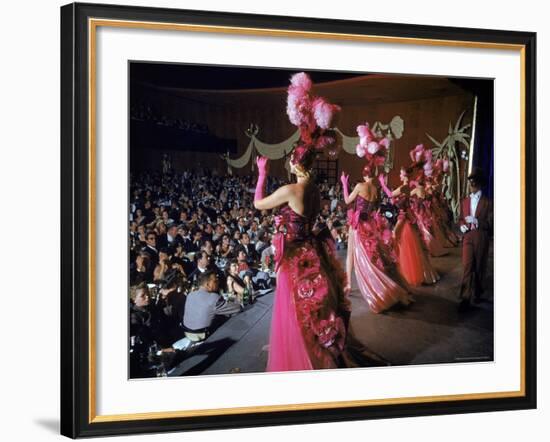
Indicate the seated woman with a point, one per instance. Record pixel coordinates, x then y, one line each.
242 262
141 270
237 287
163 266
225 249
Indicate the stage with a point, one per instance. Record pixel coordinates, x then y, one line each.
429 331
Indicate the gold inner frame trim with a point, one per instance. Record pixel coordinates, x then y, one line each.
297 407
298 34
93 23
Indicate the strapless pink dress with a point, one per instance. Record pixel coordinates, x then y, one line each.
311 311
429 231
413 262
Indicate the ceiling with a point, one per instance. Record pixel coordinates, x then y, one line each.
229 85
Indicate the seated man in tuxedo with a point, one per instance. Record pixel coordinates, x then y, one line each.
202 264
183 233
476 223
248 247
197 241
253 231
171 238
151 246
241 225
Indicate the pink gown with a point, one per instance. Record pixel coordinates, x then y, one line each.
429 229
370 244
443 221
413 262
311 312
310 325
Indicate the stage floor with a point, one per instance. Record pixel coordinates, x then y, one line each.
429 331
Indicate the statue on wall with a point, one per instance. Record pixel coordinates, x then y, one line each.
393 130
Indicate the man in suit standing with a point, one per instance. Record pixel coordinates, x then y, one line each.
476 223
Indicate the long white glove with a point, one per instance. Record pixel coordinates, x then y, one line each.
464 228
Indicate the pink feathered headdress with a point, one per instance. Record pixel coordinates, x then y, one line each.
324 112
422 159
371 147
312 115
440 168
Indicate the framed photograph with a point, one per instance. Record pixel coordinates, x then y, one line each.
274 220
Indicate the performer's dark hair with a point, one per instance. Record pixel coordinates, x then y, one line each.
368 170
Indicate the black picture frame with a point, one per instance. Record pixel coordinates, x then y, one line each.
77 418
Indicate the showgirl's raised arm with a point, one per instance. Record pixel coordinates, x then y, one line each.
277 198
348 198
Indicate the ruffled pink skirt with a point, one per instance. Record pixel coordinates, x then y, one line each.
412 263
379 290
310 312
433 242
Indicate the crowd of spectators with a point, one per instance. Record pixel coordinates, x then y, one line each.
198 250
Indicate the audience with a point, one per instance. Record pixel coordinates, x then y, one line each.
196 240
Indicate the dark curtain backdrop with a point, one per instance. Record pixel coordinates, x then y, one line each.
484 137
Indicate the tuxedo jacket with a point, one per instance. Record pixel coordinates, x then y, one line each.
250 251
154 254
187 244
484 213
162 241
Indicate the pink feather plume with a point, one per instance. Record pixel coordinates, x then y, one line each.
301 80
323 111
360 150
